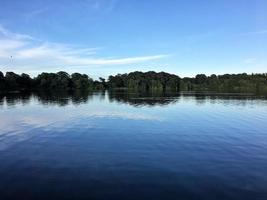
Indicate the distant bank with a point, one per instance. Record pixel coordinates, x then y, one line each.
148 81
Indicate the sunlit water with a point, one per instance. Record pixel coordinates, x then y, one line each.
122 145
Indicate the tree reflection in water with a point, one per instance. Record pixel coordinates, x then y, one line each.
64 98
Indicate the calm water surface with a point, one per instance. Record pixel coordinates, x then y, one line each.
118 145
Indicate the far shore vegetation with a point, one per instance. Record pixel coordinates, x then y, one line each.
137 81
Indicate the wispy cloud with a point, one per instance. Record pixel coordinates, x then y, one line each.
27 51
249 60
16 36
101 5
35 13
260 32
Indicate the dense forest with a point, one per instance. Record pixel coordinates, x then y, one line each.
254 83
148 81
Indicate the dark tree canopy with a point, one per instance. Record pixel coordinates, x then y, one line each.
145 81
2 81
81 81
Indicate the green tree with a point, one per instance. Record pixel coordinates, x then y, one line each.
2 82
12 80
81 81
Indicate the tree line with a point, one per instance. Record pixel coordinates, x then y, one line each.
48 81
243 83
144 81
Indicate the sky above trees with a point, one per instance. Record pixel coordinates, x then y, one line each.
103 37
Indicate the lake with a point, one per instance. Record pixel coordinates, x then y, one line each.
123 145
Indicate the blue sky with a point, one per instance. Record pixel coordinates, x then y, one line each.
102 37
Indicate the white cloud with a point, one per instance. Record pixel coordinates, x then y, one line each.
33 53
6 46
